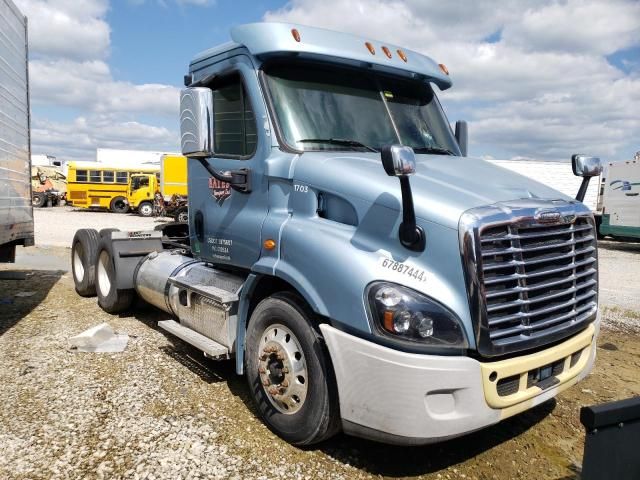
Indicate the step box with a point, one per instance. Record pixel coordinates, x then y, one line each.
205 300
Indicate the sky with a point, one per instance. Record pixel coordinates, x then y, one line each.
536 79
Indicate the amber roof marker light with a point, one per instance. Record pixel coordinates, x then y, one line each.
402 56
387 52
372 50
444 68
296 34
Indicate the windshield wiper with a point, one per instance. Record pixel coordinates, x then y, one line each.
434 150
338 141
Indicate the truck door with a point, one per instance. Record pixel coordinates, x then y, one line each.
227 223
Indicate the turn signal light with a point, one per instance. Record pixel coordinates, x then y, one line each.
269 244
372 50
444 68
402 55
296 34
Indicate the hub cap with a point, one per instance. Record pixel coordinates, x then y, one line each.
282 369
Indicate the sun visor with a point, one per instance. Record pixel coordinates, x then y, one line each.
268 40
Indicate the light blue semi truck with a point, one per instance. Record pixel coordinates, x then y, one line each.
364 273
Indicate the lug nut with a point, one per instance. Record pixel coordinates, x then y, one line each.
284 383
262 370
266 382
273 391
280 356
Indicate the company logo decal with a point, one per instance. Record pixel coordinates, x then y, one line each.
220 190
548 216
625 186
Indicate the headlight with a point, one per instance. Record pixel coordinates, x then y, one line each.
402 313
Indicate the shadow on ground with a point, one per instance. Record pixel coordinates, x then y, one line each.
21 291
620 245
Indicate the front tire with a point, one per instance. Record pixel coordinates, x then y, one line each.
289 374
110 298
84 250
145 209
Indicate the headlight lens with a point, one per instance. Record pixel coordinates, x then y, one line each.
403 313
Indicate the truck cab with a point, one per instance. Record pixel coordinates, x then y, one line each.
363 272
141 192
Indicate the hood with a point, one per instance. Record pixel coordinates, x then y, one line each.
443 186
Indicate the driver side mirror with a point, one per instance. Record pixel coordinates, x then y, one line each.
398 160
196 122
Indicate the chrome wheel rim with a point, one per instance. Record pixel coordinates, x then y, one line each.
146 210
104 284
283 369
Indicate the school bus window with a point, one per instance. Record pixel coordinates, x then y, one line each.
81 175
121 177
107 176
94 176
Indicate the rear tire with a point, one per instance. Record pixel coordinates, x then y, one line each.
110 298
119 205
292 386
145 209
38 199
182 215
84 250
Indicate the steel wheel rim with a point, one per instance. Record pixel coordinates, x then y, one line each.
104 283
183 217
146 209
78 267
283 369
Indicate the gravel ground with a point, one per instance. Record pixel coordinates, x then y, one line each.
56 226
159 410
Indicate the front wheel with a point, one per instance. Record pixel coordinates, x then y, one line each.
289 374
145 209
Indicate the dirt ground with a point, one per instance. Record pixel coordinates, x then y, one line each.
160 410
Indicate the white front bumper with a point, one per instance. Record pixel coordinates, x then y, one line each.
408 398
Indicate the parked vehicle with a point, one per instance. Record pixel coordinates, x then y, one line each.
48 186
163 196
16 212
619 200
614 199
364 274
100 185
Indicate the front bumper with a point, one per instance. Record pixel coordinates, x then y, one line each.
408 398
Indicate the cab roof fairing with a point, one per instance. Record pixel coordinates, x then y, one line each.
268 40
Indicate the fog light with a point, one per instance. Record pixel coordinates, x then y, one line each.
402 321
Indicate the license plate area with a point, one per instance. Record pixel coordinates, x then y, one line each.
545 377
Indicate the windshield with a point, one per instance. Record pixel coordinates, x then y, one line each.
339 109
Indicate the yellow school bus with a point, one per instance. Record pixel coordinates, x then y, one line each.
98 185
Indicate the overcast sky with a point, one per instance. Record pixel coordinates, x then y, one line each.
535 79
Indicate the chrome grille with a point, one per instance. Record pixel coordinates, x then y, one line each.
534 283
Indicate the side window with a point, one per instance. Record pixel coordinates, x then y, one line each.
107 176
95 176
234 120
121 177
81 175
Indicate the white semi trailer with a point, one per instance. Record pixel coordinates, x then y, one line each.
16 212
